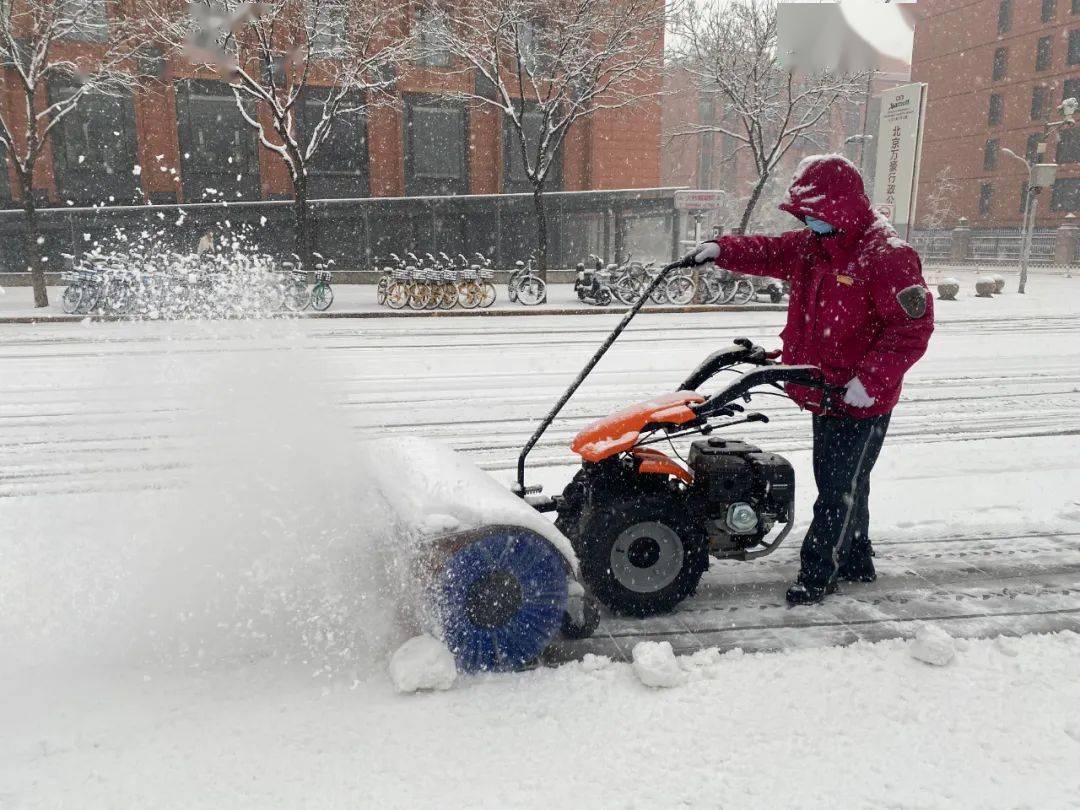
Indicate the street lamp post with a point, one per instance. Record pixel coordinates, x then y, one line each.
1040 175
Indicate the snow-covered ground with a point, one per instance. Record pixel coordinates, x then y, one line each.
190 613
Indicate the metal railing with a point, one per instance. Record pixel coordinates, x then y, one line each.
355 231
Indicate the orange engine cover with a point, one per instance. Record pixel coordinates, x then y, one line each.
619 432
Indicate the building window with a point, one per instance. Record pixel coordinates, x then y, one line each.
1049 8
1043 55
1066 195
436 138
218 157
432 26
339 167
990 151
1074 47
94 148
514 177
1001 60
327 29
986 197
1004 16
1038 101
88 19
1076 6
997 110
1068 148
1071 89
1031 152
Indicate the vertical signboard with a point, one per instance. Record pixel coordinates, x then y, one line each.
899 148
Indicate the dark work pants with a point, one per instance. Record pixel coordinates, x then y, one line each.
845 451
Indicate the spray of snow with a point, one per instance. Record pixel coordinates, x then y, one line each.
269 547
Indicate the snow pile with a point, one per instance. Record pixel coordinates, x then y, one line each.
422 663
997 731
932 645
655 664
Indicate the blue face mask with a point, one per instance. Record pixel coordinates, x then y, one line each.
819 227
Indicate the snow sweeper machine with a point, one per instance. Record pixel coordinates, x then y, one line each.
634 529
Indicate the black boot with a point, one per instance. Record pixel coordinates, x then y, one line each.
802 594
861 570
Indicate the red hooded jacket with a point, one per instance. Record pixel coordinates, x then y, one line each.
859 306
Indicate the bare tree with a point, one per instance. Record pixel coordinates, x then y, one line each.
939 202
545 65
729 50
99 59
283 57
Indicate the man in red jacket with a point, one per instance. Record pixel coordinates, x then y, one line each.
859 310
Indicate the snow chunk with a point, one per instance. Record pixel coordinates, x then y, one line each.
655 664
422 662
595 663
933 645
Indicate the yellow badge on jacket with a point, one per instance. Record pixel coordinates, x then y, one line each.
845 280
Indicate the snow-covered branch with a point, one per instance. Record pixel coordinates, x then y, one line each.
727 51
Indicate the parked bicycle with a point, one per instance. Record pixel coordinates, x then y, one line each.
322 294
525 285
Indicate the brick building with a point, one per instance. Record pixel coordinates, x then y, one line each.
185 135
996 71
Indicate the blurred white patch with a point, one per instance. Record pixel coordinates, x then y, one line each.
845 36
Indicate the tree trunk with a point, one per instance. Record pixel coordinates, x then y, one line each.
541 234
304 220
33 250
755 195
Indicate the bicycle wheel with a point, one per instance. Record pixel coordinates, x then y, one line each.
72 298
397 295
273 298
89 301
744 292
419 296
531 290
322 296
487 294
380 291
626 291
659 294
709 289
447 295
435 299
512 286
680 289
119 298
296 298
468 295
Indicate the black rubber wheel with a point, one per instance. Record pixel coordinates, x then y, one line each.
776 296
640 557
576 628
